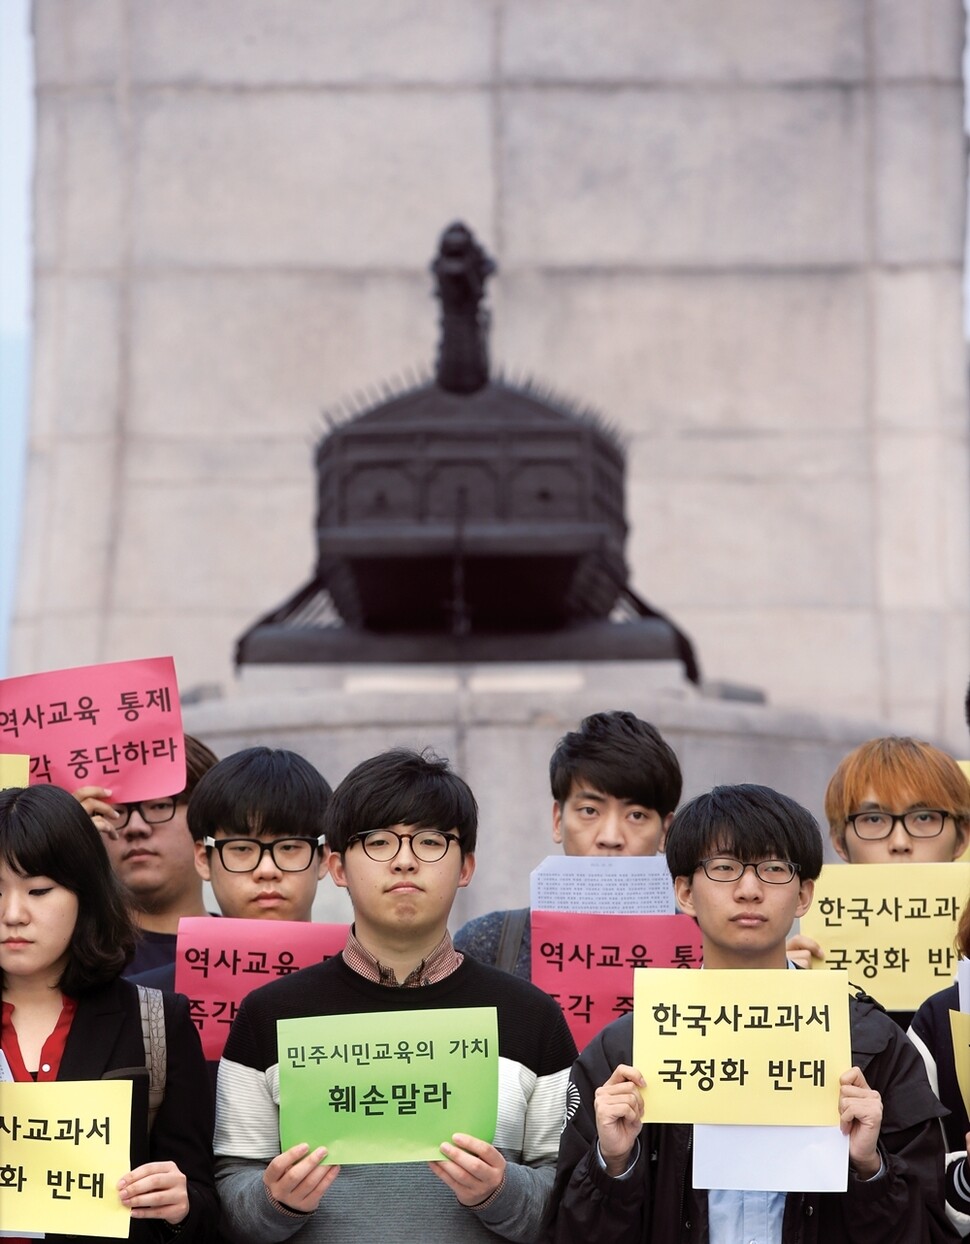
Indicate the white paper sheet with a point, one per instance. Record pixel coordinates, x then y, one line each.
771 1159
963 984
632 885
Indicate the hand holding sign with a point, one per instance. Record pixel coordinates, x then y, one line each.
860 1118
297 1180
94 801
474 1169
619 1111
156 1190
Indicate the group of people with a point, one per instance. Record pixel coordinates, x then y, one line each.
91 892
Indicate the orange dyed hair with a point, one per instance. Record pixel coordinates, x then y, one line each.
901 771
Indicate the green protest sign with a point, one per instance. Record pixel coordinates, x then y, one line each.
369 1096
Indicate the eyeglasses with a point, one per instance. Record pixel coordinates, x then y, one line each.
773 872
918 823
244 855
151 811
427 845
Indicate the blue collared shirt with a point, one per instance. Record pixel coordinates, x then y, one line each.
745 1217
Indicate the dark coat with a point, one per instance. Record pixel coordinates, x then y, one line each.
105 1042
657 1204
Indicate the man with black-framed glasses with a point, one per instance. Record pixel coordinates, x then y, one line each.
152 854
255 822
898 800
401 829
744 860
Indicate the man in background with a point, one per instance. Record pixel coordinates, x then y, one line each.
615 785
153 855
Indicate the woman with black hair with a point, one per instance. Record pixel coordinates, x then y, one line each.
65 937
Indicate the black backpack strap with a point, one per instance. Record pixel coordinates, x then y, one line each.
510 939
152 1007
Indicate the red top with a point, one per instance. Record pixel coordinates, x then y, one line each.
50 1055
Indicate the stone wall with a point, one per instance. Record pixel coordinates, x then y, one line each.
740 236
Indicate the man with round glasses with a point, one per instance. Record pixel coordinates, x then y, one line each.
152 853
401 829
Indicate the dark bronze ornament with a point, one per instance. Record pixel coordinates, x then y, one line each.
468 519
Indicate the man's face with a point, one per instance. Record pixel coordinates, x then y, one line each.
593 823
899 847
405 899
745 923
155 862
268 892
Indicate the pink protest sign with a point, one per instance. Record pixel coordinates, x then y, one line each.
586 962
116 725
219 961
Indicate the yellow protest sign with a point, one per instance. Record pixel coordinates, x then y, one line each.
960 1031
889 927
65 1145
14 771
740 1046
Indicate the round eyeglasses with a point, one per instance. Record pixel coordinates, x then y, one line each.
151 811
244 855
427 845
917 822
773 872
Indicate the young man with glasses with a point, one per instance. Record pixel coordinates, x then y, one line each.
401 829
256 824
898 801
152 854
257 820
744 861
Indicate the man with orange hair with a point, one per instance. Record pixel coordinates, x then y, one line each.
898 801
895 801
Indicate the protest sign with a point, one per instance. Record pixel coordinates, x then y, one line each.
587 962
218 962
737 1046
65 1146
117 725
890 929
371 1098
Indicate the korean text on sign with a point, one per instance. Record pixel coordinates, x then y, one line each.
117 725
740 1046
63 1147
370 1097
587 962
218 962
890 929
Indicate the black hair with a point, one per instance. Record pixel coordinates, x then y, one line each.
260 790
199 759
620 755
747 822
966 706
402 787
44 832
